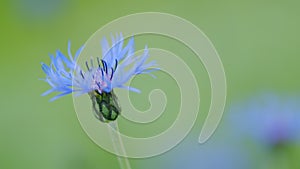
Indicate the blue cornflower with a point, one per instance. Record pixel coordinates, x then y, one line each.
117 65
268 119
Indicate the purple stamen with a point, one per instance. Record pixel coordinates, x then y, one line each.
112 73
98 60
87 66
81 74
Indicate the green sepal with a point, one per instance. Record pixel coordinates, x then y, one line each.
105 106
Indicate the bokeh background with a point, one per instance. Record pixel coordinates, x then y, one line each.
258 42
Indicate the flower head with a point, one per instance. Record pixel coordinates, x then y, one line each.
117 65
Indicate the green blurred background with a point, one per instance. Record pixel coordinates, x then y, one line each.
258 42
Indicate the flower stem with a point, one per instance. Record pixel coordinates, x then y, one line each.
118 145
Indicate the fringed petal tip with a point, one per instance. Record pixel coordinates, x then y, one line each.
60 95
131 89
47 92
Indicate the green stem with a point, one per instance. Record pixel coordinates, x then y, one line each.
118 145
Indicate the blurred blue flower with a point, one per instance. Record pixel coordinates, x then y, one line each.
117 65
268 119
219 152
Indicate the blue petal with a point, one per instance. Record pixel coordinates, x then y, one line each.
60 95
77 53
131 89
68 63
45 68
69 50
48 92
